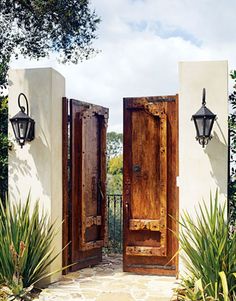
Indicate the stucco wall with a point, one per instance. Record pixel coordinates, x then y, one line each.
202 170
37 167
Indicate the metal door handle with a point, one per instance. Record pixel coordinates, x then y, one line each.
127 211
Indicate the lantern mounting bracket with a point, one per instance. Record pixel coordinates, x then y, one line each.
22 107
204 97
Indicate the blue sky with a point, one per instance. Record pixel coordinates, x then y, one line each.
163 30
141 43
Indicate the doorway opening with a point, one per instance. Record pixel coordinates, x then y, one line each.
100 215
114 187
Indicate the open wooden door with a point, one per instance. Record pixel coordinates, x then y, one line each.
84 153
150 192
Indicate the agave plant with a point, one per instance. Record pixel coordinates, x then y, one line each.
210 251
26 253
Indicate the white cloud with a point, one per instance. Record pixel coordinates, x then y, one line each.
142 42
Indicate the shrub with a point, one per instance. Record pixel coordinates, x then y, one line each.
3 145
232 150
25 253
209 254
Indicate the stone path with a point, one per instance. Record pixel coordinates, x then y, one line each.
107 282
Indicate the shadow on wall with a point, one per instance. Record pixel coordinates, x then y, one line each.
16 168
40 152
37 174
40 147
216 150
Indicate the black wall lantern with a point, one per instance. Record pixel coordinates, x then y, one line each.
203 120
23 125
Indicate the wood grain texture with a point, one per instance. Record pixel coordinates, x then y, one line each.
87 175
150 192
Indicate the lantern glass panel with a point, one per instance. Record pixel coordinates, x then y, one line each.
208 126
23 127
200 126
15 129
29 132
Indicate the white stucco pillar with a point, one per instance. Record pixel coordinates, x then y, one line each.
202 170
37 167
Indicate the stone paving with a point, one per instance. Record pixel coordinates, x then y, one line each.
107 282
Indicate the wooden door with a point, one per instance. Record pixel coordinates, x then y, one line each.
84 154
150 192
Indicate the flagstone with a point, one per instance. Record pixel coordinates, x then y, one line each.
115 297
107 282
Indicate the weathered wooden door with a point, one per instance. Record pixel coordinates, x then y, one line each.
150 191
84 153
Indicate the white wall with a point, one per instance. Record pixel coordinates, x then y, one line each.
37 167
202 170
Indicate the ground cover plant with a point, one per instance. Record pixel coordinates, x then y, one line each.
26 250
209 252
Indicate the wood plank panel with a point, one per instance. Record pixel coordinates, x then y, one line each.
150 192
145 177
87 178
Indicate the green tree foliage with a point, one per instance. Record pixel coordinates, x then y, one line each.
115 175
114 162
116 165
114 189
3 72
114 144
3 131
34 29
232 142
3 147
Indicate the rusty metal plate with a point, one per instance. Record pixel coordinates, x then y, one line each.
93 220
146 224
93 245
144 251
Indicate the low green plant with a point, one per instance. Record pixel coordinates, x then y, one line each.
209 253
26 252
189 290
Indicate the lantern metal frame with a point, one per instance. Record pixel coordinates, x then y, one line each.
23 125
204 121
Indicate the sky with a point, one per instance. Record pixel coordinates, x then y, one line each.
141 43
